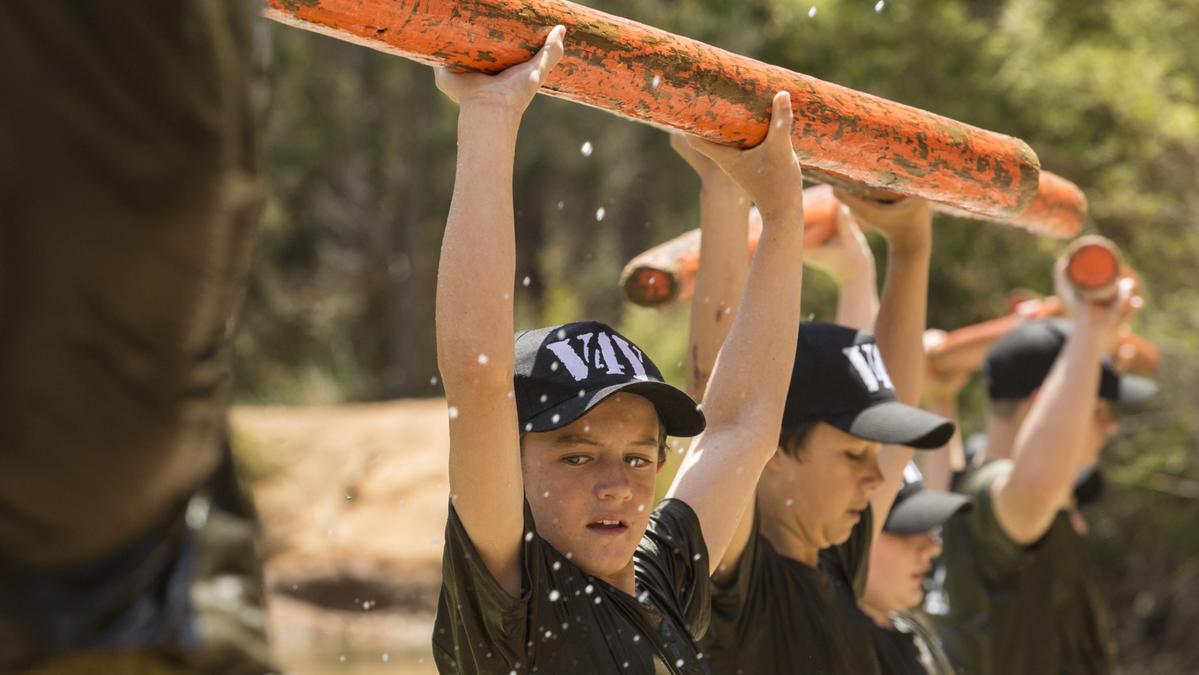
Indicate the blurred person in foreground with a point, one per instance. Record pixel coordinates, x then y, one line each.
1018 593
130 191
556 560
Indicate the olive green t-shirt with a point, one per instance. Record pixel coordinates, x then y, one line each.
911 647
1004 608
566 621
778 615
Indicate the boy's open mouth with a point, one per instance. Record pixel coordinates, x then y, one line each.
608 526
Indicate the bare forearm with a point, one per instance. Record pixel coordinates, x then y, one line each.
478 253
857 301
940 464
902 316
749 381
724 264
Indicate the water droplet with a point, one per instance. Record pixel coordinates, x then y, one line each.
548 635
598 599
386 657
586 428
589 589
643 596
789 502
544 398
582 393
557 565
812 11
586 149
483 359
599 213
679 663
528 426
561 205
657 81
554 367
640 508
878 6
636 638
555 418
555 595
433 380
529 536
525 282
570 555
561 333
696 557
453 412
342 658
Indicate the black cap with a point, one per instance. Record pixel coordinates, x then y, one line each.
1088 486
839 378
1019 362
917 509
564 371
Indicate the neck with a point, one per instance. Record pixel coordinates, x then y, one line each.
880 616
625 579
786 536
1001 438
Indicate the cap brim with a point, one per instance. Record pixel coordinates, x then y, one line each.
897 423
924 511
679 413
1135 390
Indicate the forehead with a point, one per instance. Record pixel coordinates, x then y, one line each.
827 436
622 412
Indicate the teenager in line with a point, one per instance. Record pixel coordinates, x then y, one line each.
900 561
555 561
1019 593
784 597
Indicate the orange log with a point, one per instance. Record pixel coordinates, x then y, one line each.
666 273
674 82
964 349
1135 354
1057 210
1093 267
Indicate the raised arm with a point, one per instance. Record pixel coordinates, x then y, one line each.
848 260
1052 438
907 226
475 353
724 212
745 395
940 394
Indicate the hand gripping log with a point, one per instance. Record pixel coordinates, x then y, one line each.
637 71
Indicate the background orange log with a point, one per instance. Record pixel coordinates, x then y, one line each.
666 273
653 76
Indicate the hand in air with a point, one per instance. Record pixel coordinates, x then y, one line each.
770 171
509 91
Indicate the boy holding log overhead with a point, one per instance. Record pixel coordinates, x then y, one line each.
554 561
900 560
784 593
1019 593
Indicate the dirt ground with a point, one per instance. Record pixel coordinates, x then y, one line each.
353 504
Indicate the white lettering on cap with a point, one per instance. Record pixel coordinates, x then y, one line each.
604 358
868 362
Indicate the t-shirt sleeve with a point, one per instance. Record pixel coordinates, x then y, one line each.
995 554
478 609
731 597
673 560
851 559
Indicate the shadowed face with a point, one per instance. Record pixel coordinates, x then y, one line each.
821 489
590 484
898 566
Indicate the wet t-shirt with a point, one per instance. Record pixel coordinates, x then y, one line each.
778 615
1004 608
909 647
568 622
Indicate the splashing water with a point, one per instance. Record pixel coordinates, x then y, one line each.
599 213
525 282
657 81
453 412
555 595
586 149
811 13
878 6
483 359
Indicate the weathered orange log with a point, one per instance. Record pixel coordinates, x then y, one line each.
666 273
653 76
1058 209
1135 354
963 350
1093 267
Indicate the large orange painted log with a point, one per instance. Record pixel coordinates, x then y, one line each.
1058 209
674 82
666 273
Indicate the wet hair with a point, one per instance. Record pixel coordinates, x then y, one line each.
793 438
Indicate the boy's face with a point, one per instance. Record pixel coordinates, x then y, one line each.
590 484
898 566
823 488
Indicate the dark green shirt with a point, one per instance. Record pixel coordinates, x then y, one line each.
911 647
568 622
1004 608
778 615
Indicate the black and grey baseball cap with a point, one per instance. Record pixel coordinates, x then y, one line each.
1019 362
564 371
918 509
839 378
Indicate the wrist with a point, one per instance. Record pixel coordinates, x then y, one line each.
477 118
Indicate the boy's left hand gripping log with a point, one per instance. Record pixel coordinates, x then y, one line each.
841 136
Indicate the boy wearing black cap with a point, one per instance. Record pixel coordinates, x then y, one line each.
784 596
900 560
554 560
1019 593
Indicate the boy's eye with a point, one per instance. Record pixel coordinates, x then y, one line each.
575 460
855 457
637 462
